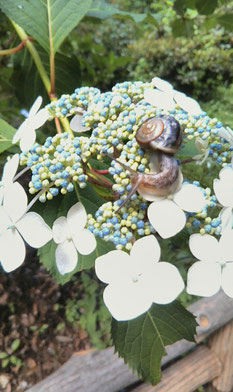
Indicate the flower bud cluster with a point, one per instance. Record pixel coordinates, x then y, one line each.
55 165
122 227
201 221
69 104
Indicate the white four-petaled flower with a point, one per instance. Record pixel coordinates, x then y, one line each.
137 280
165 97
17 225
223 188
166 214
215 266
9 171
70 235
26 134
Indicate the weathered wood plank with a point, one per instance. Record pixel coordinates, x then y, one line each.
187 374
104 371
221 344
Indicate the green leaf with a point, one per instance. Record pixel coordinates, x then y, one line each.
206 7
14 345
6 134
3 355
226 21
188 149
27 83
40 17
5 362
182 27
101 9
141 341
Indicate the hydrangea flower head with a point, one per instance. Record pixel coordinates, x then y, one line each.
137 280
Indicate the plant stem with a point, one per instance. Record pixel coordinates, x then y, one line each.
16 48
51 54
21 173
35 55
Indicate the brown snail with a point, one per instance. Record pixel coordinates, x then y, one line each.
162 137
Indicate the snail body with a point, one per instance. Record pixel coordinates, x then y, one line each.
162 137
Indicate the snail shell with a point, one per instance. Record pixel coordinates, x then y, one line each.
160 133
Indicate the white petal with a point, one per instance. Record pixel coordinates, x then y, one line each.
10 169
12 250
226 216
165 283
188 104
66 257
40 118
5 221
204 279
60 230
34 230
15 201
205 247
225 245
166 217
190 198
84 241
162 85
1 194
76 124
27 139
76 218
35 107
223 188
20 131
125 302
111 266
145 252
227 279
159 99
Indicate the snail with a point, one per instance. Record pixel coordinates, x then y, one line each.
162 137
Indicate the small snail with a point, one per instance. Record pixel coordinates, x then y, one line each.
162 136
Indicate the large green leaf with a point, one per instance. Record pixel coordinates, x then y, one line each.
141 341
182 27
226 21
48 21
6 134
101 9
27 83
206 7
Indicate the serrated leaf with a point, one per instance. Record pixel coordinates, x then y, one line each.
55 16
226 21
27 83
14 345
206 7
188 150
6 134
141 341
